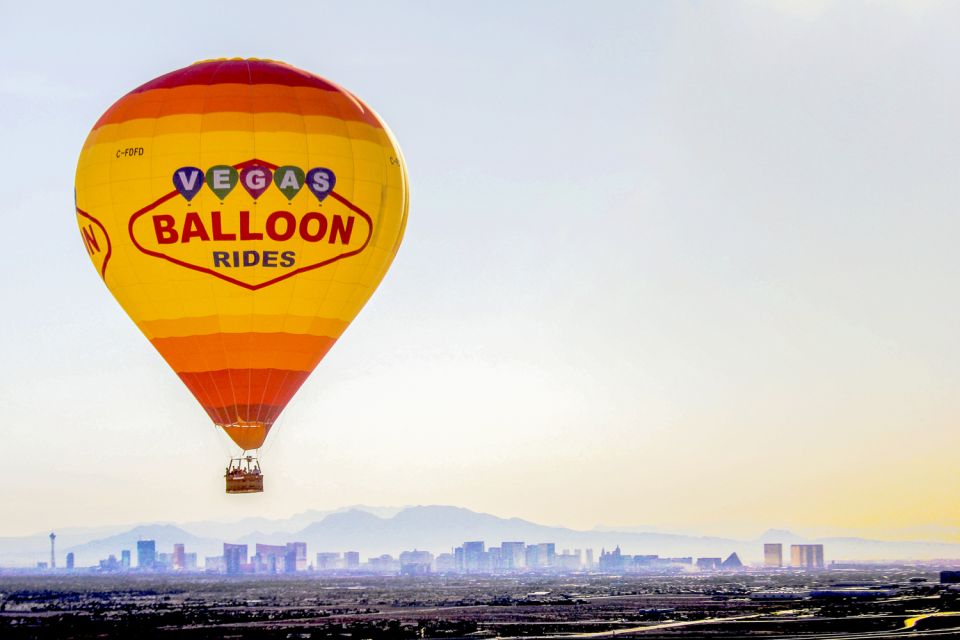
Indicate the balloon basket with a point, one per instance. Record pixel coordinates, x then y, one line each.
243 475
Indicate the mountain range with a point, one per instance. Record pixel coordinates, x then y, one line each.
376 530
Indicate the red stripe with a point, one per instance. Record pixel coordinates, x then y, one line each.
238 72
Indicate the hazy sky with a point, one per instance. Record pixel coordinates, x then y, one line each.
686 266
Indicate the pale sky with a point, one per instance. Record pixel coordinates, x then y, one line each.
684 266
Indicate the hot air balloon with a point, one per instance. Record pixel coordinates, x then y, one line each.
242 212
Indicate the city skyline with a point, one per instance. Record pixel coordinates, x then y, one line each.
471 557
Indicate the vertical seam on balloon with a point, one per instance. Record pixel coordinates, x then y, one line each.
225 414
253 135
161 100
221 413
235 418
271 406
233 390
293 288
113 216
223 410
353 185
198 379
260 418
306 137
214 412
353 159
263 396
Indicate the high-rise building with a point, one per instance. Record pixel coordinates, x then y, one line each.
473 556
270 558
234 557
512 555
773 555
190 561
541 556
806 556
494 559
125 559
351 559
547 554
531 556
329 561
296 558
178 561
214 564
53 556
589 561
70 559
146 554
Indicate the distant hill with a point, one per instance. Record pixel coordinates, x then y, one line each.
440 528
258 525
28 550
780 535
166 535
373 531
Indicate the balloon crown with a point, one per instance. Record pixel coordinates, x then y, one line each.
236 59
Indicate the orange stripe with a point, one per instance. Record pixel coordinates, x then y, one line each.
287 351
260 98
197 124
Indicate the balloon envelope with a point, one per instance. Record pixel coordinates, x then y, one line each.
241 290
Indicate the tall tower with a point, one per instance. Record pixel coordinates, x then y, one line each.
53 556
773 555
